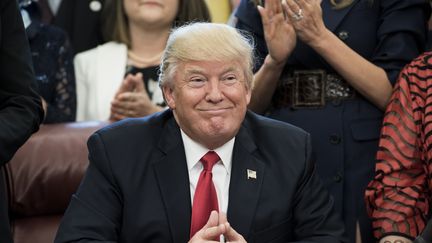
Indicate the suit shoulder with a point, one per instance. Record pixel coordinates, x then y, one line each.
151 124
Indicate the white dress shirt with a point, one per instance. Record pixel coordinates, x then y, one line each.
221 170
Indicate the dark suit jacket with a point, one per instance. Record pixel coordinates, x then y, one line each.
137 187
20 107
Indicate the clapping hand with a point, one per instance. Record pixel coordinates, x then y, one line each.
306 18
279 32
132 100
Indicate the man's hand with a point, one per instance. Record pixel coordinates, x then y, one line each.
216 226
395 239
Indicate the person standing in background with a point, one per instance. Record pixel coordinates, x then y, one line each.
87 22
20 107
328 67
53 65
119 79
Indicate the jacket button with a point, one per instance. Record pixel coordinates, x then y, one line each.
335 139
95 6
343 35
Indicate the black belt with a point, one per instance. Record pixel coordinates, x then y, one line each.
310 89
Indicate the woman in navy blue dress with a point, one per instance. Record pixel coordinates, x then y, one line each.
328 67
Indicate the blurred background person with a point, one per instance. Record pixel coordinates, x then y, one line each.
399 196
53 65
328 67
20 107
88 23
140 35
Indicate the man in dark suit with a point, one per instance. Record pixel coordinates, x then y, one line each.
256 181
20 107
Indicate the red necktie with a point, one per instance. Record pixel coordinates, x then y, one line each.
205 198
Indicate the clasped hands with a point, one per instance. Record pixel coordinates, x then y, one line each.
284 21
216 226
131 99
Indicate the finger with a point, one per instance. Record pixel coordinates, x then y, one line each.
232 235
122 106
118 110
126 97
212 229
125 85
302 4
117 116
273 6
213 219
289 12
293 6
222 218
138 82
264 15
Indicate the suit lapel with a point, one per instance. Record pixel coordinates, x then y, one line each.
244 192
333 17
172 176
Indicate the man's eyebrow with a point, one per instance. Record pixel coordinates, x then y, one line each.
194 70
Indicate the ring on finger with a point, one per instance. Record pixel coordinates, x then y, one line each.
298 16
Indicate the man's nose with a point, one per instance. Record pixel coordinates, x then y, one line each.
214 92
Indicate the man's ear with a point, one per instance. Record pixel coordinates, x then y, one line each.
168 94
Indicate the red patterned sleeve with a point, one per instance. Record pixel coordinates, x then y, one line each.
398 197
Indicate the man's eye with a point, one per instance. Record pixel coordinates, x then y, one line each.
229 80
196 82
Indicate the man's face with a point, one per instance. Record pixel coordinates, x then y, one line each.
209 100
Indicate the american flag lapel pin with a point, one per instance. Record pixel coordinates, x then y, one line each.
251 174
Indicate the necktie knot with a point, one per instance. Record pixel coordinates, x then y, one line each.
209 160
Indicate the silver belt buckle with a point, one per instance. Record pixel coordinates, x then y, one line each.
309 88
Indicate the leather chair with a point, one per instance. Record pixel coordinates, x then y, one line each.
43 175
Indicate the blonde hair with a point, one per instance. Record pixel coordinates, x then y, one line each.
204 42
188 11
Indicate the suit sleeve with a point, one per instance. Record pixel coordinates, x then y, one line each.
20 107
398 196
94 213
314 212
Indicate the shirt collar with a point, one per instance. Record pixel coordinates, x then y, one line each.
195 151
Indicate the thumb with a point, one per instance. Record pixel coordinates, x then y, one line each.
213 220
138 82
232 235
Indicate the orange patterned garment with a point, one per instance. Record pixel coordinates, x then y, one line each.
399 196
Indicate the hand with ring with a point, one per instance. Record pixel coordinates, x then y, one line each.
278 31
306 16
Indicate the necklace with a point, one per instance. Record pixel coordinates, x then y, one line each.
144 62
